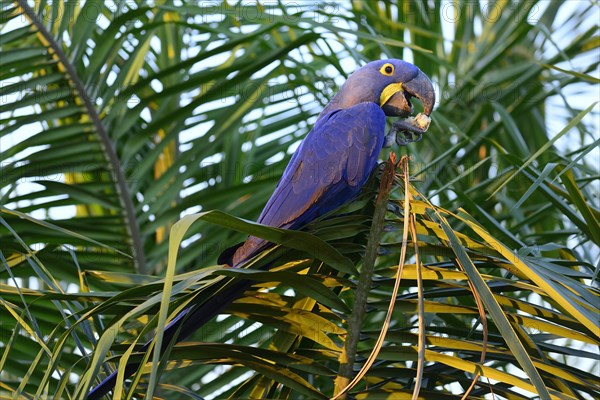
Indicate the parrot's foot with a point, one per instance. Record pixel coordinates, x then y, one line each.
408 130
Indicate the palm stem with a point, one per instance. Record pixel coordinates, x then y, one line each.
348 356
108 149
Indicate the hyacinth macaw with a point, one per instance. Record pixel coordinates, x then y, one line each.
327 170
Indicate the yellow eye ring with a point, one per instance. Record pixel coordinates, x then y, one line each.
387 69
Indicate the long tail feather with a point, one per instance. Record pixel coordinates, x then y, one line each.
186 323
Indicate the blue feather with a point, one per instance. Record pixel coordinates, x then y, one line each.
328 169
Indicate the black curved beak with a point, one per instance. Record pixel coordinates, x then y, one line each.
407 130
421 88
399 104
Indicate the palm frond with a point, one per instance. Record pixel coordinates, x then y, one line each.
119 120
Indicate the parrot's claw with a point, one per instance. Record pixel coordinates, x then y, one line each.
408 130
389 139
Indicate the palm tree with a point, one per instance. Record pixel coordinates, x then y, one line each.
124 125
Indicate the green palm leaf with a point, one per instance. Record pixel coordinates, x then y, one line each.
121 124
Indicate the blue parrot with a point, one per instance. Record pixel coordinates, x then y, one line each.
328 169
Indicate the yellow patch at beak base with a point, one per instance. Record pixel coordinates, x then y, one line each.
388 92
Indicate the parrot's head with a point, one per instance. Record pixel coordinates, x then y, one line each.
389 83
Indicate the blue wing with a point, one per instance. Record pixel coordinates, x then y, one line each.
328 169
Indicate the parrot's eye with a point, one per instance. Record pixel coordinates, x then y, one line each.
387 69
